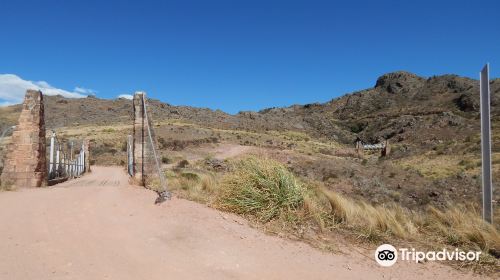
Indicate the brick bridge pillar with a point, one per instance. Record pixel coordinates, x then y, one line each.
144 142
139 137
25 162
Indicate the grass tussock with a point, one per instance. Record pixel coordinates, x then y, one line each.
194 185
7 186
262 188
374 221
463 227
455 226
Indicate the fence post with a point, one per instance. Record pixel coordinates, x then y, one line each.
63 162
83 157
57 170
484 90
72 160
66 164
81 161
79 164
51 154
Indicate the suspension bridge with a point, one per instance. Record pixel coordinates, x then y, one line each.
34 160
383 147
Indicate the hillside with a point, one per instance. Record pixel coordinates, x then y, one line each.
401 106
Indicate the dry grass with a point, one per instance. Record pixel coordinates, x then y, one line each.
433 167
455 226
7 186
462 227
194 185
115 133
370 220
261 188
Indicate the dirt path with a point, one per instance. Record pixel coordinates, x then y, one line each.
99 227
222 151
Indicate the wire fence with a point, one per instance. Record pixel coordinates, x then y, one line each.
153 175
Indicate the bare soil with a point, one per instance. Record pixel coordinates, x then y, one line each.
100 227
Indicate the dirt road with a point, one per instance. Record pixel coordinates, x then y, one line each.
100 227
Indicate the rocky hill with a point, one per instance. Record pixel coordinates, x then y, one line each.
402 107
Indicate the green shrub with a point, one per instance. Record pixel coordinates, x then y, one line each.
165 160
261 188
190 176
182 164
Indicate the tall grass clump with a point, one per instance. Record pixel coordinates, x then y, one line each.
194 185
262 188
372 221
456 226
464 227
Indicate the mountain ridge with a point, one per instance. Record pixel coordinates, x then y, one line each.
397 102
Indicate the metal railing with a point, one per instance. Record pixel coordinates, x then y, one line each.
62 163
130 155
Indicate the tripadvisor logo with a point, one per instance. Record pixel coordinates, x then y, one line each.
387 255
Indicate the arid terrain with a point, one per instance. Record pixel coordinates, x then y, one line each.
423 191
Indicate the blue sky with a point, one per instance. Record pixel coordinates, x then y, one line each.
242 55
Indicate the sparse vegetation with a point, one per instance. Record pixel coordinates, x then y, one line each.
463 227
266 190
108 130
165 160
183 163
261 188
6 186
371 221
193 185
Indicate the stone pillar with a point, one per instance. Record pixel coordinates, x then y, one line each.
139 137
359 148
387 149
86 145
25 161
